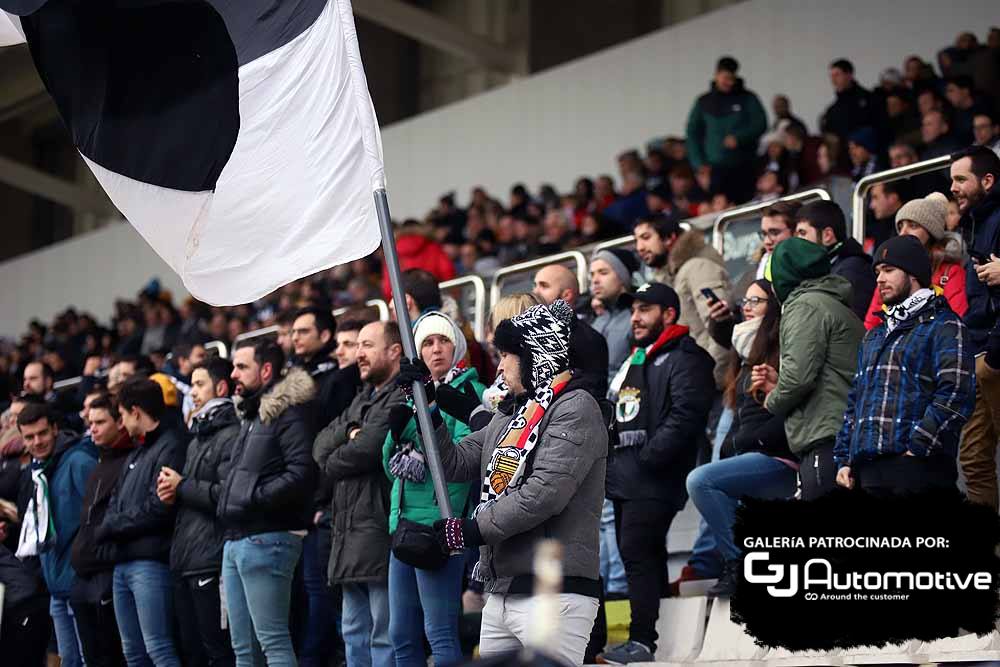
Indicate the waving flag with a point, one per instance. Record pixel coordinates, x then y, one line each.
237 136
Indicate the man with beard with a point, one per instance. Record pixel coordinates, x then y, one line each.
663 395
265 502
654 236
975 172
914 387
349 451
196 550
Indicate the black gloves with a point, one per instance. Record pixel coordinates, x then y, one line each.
458 404
456 534
415 370
399 417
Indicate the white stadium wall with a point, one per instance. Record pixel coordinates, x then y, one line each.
557 125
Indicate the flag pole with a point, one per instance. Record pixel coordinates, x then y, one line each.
410 350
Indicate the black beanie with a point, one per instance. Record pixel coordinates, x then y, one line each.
540 338
908 254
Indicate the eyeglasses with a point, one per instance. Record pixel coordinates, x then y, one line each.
771 233
753 301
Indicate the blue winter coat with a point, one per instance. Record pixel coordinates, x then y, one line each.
67 477
913 390
981 229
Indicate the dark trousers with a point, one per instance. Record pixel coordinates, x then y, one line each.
93 606
24 637
98 631
319 632
203 642
896 475
818 472
739 182
641 527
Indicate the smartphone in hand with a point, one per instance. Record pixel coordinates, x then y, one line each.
709 294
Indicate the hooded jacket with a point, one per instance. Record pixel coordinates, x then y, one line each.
715 115
198 537
89 556
67 471
913 391
981 230
136 520
419 252
360 549
560 496
849 260
272 476
680 388
819 342
693 265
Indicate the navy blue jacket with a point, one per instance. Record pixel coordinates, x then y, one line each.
981 228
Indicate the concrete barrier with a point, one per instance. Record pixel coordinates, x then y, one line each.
727 643
905 653
780 657
966 648
681 628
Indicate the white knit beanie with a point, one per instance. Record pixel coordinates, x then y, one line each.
431 324
929 212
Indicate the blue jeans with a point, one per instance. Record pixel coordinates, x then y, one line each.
319 636
612 568
366 625
144 609
70 651
425 601
715 488
705 556
257 576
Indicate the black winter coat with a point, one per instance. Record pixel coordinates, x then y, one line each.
360 552
588 353
680 388
981 230
272 479
90 556
853 109
850 261
136 520
335 389
198 537
755 429
24 588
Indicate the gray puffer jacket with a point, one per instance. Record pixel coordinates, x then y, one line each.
559 497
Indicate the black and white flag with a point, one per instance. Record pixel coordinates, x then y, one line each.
237 136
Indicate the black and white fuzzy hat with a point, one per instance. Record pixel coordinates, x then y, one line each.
540 337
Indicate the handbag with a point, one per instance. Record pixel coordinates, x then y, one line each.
416 544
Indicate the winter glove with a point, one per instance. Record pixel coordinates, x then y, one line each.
415 370
455 534
458 404
399 417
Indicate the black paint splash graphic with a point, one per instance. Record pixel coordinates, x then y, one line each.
864 615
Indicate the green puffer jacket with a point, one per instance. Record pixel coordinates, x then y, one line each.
819 340
715 115
418 502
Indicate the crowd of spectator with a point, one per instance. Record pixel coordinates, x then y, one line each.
176 507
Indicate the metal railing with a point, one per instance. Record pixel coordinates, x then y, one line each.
219 347
379 304
479 301
575 255
256 333
897 174
752 210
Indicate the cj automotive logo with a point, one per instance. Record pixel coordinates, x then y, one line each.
819 581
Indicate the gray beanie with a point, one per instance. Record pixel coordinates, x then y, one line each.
621 261
929 212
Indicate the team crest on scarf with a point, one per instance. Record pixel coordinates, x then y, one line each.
629 402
